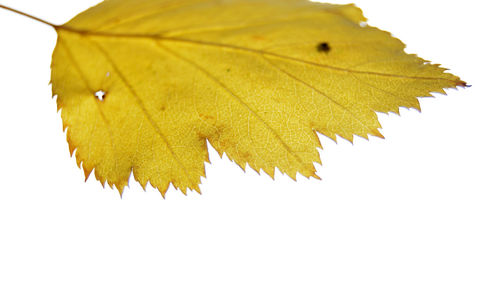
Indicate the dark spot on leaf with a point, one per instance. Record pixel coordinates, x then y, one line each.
246 156
323 47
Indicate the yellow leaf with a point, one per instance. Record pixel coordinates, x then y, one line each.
144 84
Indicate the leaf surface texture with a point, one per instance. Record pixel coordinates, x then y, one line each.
257 79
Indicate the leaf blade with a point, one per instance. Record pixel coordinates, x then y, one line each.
257 90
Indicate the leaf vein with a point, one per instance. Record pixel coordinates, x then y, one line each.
148 116
158 37
224 87
87 85
319 92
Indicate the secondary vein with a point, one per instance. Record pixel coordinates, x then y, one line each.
142 107
225 88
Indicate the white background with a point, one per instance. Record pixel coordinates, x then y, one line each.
421 207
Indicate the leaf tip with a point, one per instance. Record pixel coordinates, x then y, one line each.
163 193
377 133
87 172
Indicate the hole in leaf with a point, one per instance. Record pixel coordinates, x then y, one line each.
100 94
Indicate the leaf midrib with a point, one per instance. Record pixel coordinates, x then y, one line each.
249 50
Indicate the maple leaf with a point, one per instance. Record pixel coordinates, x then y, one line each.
143 85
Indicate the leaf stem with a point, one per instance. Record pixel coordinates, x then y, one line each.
29 16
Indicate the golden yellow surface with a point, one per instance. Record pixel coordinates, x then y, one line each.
257 79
